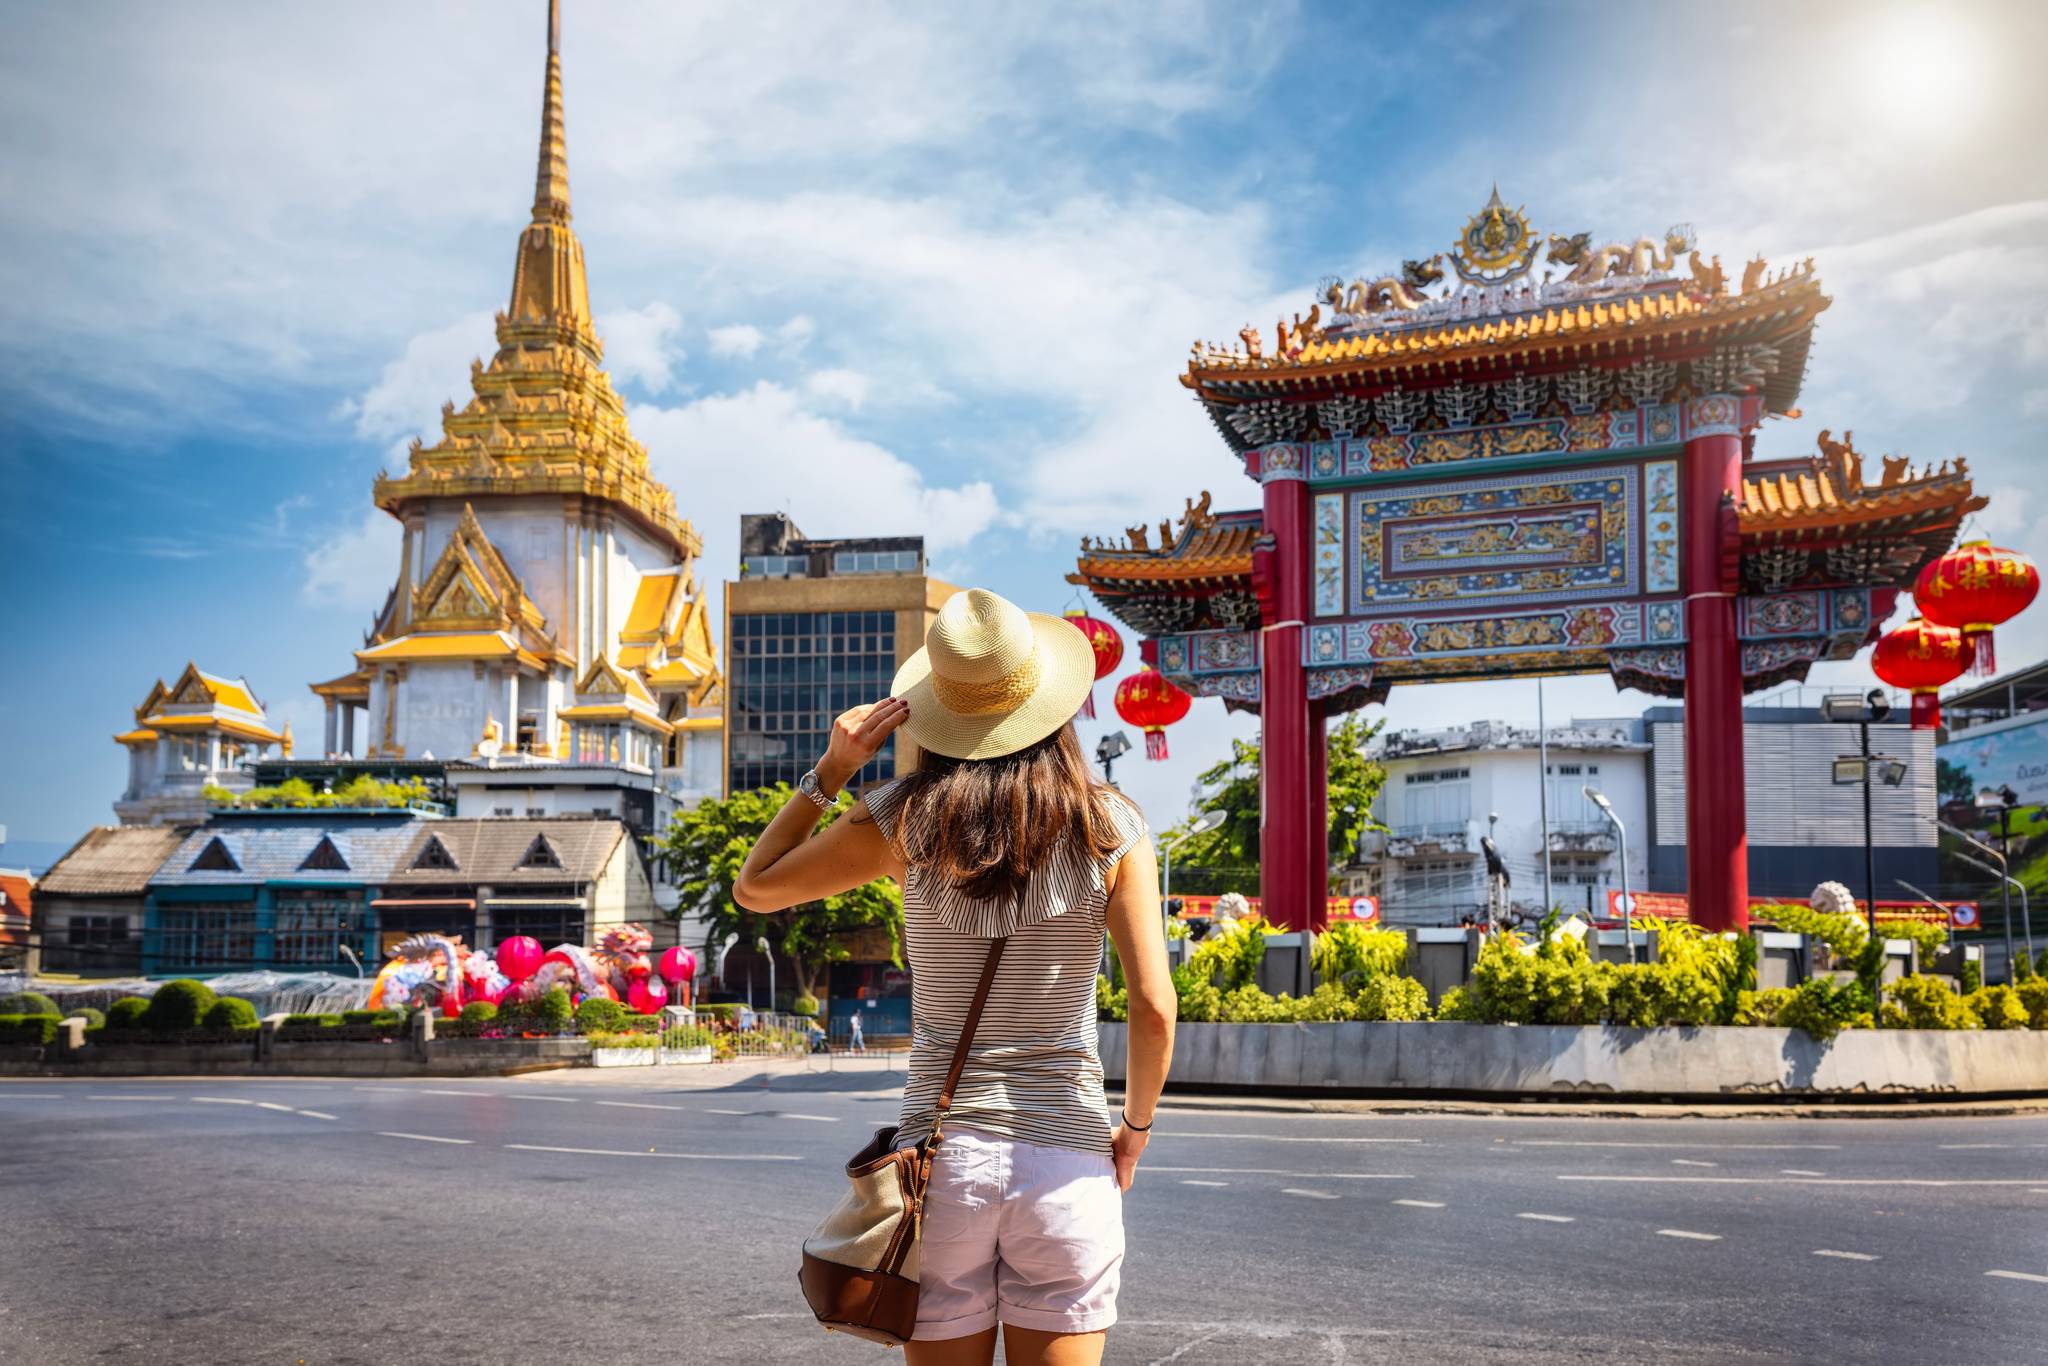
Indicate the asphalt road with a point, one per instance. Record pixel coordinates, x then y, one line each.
620 1218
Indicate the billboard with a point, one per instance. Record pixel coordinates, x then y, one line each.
2010 753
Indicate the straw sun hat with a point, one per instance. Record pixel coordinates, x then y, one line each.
993 678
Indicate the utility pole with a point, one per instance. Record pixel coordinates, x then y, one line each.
1543 792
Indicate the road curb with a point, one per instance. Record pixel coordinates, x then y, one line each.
1541 1109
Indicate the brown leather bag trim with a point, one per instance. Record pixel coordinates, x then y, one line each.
874 1305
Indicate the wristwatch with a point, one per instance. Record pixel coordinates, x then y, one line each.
808 785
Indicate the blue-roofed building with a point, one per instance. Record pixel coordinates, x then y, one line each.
279 889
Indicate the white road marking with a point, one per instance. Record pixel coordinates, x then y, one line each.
2019 1276
1687 1233
621 1152
1281 1171
1795 1171
220 1100
1293 1138
1725 1147
1421 1204
131 1097
390 1090
1845 1256
424 1138
1687 1162
273 1105
639 1105
2037 1190
816 1119
555 1100
1970 1147
29 1095
1805 1181
1189 1181
316 1114
1310 1195
1548 1218
424 1091
728 1112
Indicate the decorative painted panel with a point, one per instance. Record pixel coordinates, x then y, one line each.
1329 554
1765 616
1329 682
1230 687
1579 627
1660 522
1520 539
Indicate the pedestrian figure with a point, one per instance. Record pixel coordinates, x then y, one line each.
1001 833
856 1043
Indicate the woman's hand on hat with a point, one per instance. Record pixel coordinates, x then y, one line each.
857 737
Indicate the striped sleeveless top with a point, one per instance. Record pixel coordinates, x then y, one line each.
1033 1071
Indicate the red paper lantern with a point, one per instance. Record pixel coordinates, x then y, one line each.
1149 701
1922 658
1974 588
1109 652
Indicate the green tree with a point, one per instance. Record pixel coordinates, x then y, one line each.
1233 784
1952 782
704 850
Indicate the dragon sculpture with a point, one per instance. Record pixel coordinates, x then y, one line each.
1589 266
622 956
412 978
1390 293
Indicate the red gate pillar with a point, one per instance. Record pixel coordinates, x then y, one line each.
1716 824
1288 834
1319 815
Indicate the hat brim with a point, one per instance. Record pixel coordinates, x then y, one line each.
1066 671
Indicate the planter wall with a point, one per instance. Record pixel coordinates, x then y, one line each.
1596 1060
392 1058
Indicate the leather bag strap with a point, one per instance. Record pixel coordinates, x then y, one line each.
959 1063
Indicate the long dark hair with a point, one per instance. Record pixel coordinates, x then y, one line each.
986 825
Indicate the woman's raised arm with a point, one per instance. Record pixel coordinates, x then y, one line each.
794 861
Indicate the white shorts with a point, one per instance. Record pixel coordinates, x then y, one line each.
1018 1233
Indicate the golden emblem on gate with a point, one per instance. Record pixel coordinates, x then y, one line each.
1496 245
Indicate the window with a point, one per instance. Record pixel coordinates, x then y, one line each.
312 926
325 858
435 855
791 674
540 854
215 858
207 935
775 566
97 932
1435 802
501 811
531 811
551 925
874 562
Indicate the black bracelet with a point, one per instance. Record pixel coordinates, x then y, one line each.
1137 1128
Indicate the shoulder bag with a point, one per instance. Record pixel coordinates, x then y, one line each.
860 1268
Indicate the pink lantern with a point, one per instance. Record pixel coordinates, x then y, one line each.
647 996
678 966
519 957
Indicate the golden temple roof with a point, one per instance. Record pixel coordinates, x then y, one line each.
200 701
453 645
472 606
543 416
1207 546
1826 492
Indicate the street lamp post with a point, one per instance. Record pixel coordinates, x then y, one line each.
1599 799
2002 873
1864 711
1204 823
2008 882
761 946
2003 800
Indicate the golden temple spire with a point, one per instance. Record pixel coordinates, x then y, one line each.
551 185
547 283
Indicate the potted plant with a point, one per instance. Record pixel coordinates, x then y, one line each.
623 1050
684 1043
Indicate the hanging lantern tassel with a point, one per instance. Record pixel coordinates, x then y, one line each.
1155 744
1976 587
1150 701
1926 709
1088 706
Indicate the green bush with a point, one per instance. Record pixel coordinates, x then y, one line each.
1761 1007
129 1012
229 1012
1458 1005
37 1031
686 1036
806 1006
1111 1003
1351 954
1552 983
1230 957
1200 1001
1393 998
600 1015
1998 1007
2034 996
634 1039
1248 1005
179 1006
1824 1009
315 1021
1926 1003
362 1017
480 1012
1970 976
552 1013
94 1019
28 1003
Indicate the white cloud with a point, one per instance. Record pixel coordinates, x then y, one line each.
762 450
738 340
353 569
640 345
845 388
794 335
406 399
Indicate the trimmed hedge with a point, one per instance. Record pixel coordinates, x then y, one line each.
230 1012
37 1031
479 1012
600 1015
27 1003
130 1012
179 1006
94 1019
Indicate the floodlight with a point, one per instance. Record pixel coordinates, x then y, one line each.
1113 745
1992 798
1877 705
1841 706
1892 771
1848 770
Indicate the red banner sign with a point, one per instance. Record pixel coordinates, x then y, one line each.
1353 910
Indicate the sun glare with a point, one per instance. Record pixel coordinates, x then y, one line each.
1920 69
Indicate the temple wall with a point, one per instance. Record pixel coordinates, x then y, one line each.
440 709
633 553
527 530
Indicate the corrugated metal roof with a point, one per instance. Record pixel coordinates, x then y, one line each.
490 850
268 851
112 860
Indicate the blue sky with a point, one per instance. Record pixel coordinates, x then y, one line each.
894 269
